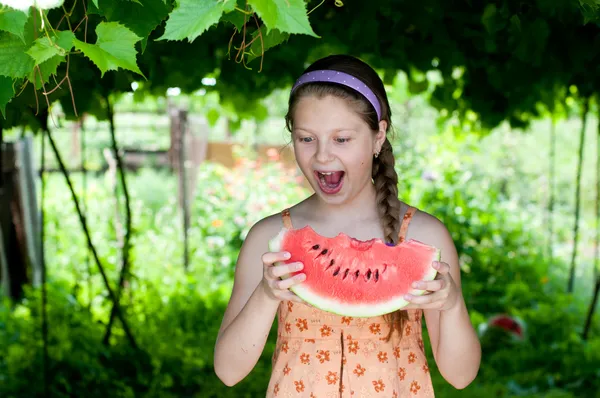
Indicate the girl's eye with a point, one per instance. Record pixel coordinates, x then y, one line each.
305 139
342 140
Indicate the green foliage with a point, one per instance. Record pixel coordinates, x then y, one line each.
190 18
13 21
113 49
504 60
6 92
175 316
142 19
284 15
14 61
45 48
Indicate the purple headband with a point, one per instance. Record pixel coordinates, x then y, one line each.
343 79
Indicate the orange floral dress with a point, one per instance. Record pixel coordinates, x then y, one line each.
323 355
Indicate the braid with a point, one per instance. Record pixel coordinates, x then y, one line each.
388 205
386 187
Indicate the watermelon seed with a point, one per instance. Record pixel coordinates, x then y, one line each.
346 273
376 275
356 275
330 265
316 247
337 271
324 251
384 268
368 275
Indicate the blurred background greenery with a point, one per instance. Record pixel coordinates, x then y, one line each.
495 108
492 192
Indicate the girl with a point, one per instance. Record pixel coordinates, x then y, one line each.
338 117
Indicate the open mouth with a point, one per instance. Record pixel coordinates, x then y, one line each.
330 182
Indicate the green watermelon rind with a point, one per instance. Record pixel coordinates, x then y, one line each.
336 307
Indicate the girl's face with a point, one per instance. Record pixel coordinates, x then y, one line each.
334 147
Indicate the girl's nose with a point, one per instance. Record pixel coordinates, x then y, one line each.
323 153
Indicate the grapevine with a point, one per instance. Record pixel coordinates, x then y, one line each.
510 55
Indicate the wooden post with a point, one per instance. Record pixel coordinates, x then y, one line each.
177 159
14 264
26 174
196 150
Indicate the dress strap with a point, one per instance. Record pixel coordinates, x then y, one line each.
287 219
405 221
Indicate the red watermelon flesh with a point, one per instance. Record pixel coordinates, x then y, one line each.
350 277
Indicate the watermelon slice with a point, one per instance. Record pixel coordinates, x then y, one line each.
350 277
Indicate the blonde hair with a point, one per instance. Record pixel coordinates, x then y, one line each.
384 173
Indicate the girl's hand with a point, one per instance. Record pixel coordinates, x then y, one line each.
441 293
277 288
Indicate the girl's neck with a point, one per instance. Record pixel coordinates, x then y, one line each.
361 207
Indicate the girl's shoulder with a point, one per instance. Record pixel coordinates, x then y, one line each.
268 227
427 228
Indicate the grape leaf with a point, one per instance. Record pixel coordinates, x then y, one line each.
236 18
6 93
13 21
270 40
48 54
114 48
96 3
142 19
191 18
14 62
289 16
47 69
43 48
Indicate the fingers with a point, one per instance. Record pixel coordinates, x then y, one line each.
433 300
432 286
441 267
277 271
285 284
271 258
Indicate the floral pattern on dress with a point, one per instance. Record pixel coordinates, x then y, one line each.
323 355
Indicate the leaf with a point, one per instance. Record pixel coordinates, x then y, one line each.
191 18
487 19
96 3
114 48
44 49
236 18
213 117
13 21
270 40
142 19
288 16
417 87
516 22
7 91
47 69
14 62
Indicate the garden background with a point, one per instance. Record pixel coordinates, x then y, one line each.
496 133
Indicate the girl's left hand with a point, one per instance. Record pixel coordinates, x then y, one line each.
441 293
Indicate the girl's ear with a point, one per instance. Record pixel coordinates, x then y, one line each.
381 134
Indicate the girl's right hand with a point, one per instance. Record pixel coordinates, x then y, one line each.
277 288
